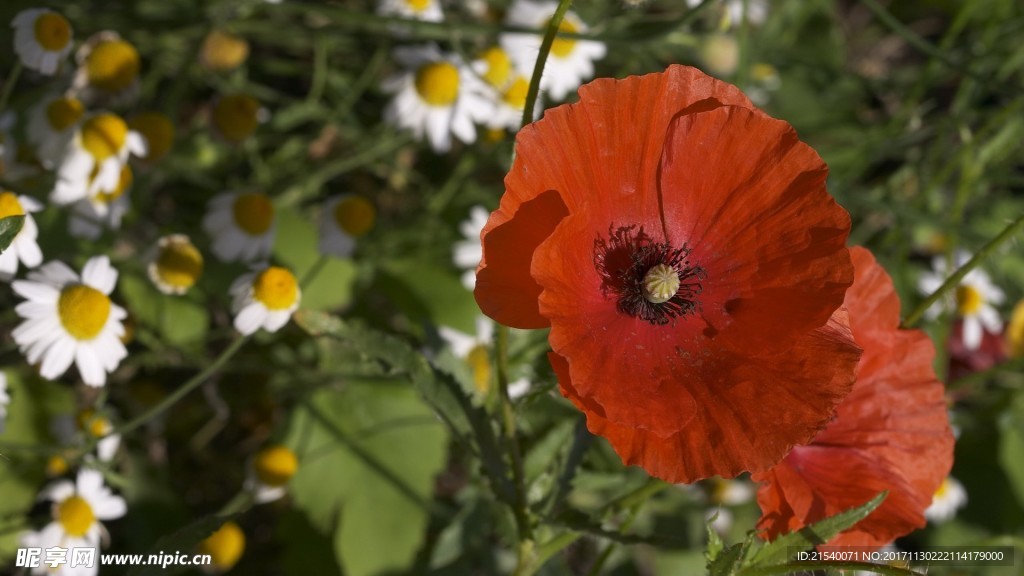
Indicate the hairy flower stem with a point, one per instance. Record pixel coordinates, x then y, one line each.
542 58
12 79
954 279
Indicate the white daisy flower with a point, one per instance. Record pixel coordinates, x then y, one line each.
77 511
108 70
101 209
175 265
950 497
570 62
51 125
733 11
436 97
242 226
24 248
270 471
71 319
974 298
426 10
95 157
467 253
264 298
5 399
475 350
93 425
342 220
42 39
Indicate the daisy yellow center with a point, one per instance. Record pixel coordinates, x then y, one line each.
123 182
661 283
225 546
53 32
563 47
9 205
104 135
63 113
968 300
354 215
480 362
57 465
179 264
499 66
438 83
83 311
942 490
158 131
418 5
276 288
515 96
236 116
253 213
92 423
718 491
275 465
75 516
223 50
112 65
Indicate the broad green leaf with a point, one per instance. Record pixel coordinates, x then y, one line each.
1011 445
184 540
178 319
728 561
9 228
778 551
368 457
427 292
296 247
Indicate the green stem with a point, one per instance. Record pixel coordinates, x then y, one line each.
808 567
313 271
316 86
181 392
542 58
12 79
954 280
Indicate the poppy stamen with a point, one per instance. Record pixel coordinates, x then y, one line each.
649 280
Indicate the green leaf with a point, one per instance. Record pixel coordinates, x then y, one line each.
178 319
296 247
184 540
715 544
428 292
1011 445
729 560
9 228
380 447
778 551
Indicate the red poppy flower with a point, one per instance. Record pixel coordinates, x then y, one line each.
891 433
682 248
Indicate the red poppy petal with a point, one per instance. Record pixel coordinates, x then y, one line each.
603 149
891 433
507 292
749 199
746 418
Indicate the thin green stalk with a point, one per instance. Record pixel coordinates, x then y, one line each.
743 70
316 86
542 58
174 397
954 280
808 567
313 271
12 79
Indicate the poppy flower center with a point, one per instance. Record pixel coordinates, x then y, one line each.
968 300
253 213
104 135
649 280
75 515
276 465
9 205
236 116
83 311
179 263
438 83
354 215
53 32
112 65
499 66
63 113
275 288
